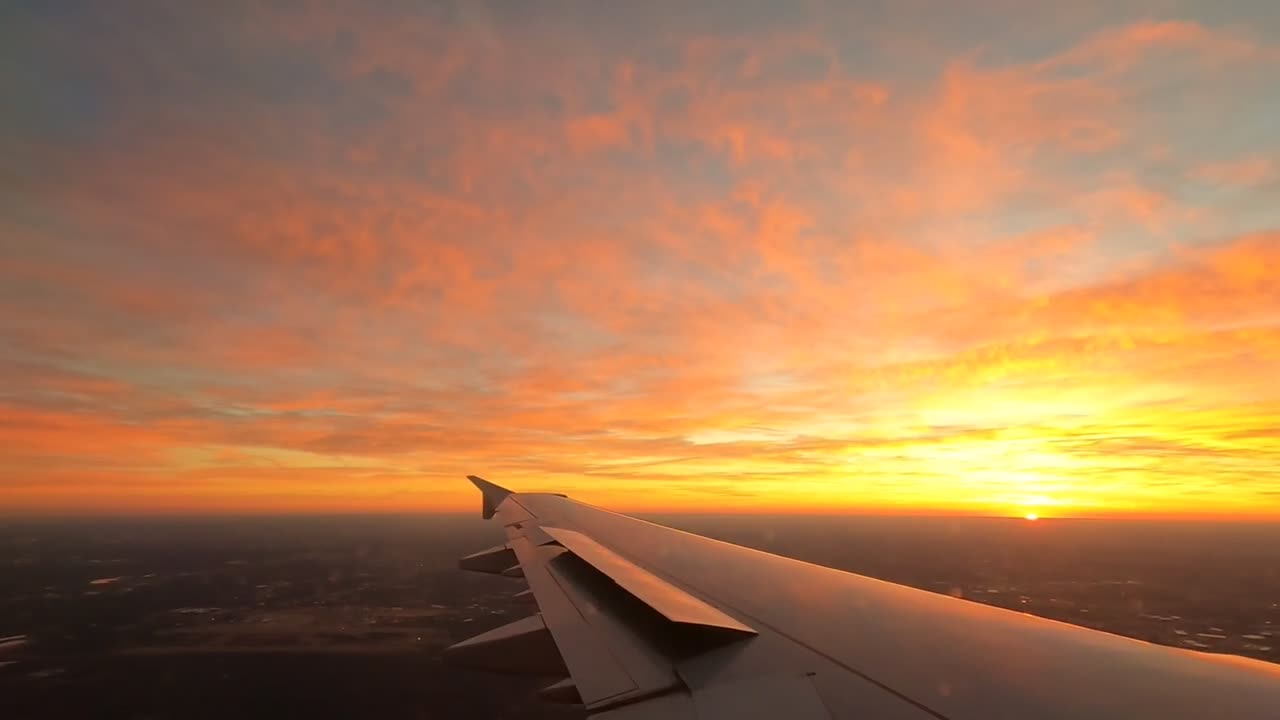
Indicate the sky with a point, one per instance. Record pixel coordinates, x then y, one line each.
988 258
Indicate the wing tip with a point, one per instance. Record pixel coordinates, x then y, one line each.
491 493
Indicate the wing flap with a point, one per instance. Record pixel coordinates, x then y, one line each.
493 561
605 668
668 600
524 647
565 692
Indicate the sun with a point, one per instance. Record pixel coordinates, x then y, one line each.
1031 516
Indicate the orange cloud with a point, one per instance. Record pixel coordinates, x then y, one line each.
597 131
360 257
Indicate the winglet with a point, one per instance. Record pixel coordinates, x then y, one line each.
493 495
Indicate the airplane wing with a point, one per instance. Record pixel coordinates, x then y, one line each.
644 621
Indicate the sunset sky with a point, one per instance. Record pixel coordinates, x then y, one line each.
914 257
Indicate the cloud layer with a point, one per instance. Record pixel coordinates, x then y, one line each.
322 257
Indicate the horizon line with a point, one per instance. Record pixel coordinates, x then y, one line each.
743 513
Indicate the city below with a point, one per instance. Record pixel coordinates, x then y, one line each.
333 617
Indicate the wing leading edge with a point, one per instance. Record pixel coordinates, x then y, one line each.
651 622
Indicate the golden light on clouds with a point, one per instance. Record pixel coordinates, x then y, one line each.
334 258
